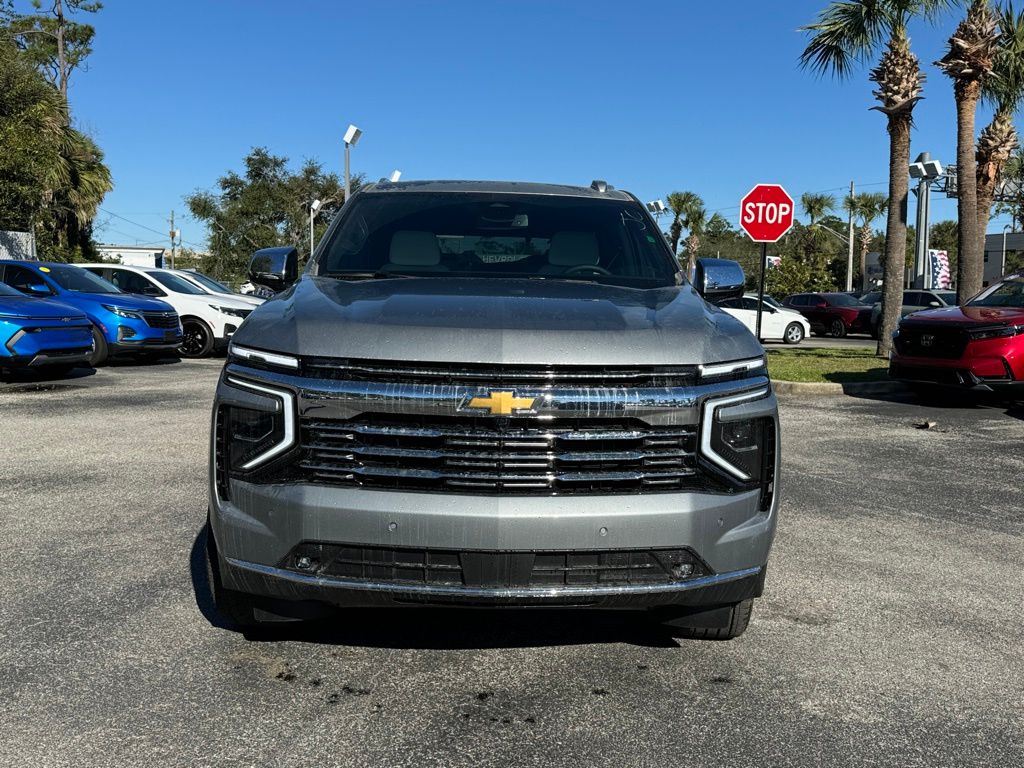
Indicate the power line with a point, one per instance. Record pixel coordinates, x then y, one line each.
143 226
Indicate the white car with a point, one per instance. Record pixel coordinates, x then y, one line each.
777 322
208 321
211 286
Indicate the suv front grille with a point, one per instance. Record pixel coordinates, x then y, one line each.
504 456
931 341
453 568
401 372
161 319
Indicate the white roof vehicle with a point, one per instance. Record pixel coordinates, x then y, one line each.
777 322
211 286
207 320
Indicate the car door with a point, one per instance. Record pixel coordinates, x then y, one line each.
773 322
914 301
736 308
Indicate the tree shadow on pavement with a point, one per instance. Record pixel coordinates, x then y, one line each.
442 628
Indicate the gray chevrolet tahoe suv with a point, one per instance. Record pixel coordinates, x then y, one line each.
493 394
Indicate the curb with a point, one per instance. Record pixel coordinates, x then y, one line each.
830 388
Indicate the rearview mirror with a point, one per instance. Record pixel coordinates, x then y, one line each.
274 268
719 279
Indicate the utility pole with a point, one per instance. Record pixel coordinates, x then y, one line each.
62 75
849 252
172 239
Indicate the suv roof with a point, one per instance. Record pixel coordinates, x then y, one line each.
502 187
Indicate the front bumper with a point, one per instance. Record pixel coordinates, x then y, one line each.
37 344
989 365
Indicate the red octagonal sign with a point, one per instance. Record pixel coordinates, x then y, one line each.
766 213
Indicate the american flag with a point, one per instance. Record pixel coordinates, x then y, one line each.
940 269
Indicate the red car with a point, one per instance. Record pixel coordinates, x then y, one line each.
834 313
978 346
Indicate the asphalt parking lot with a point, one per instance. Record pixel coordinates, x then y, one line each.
890 633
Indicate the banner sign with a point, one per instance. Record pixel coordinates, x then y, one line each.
939 261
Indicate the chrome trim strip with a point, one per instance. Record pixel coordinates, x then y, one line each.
708 422
497 592
736 366
288 408
270 358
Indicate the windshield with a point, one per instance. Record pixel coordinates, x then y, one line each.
871 298
495 235
843 300
6 290
208 282
769 300
177 284
79 280
1009 293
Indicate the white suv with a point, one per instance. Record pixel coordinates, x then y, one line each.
210 285
207 321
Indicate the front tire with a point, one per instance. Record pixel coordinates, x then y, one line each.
794 333
237 607
197 338
99 348
837 328
725 623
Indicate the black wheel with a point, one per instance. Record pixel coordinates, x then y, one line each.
725 623
237 607
99 348
794 333
837 328
197 338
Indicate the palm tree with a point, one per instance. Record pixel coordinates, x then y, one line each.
847 32
969 63
695 219
865 207
816 205
1005 91
679 203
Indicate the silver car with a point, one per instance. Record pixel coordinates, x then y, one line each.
493 394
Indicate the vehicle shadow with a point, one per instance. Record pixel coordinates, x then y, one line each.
145 361
943 398
442 628
35 376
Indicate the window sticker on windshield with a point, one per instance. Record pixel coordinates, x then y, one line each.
44 269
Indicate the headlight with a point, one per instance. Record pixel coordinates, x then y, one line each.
737 369
243 313
735 446
122 312
255 437
995 333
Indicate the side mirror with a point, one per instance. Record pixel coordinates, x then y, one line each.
151 290
39 289
274 268
719 279
933 303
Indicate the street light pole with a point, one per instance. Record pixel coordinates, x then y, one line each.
925 170
351 137
1002 261
849 250
314 207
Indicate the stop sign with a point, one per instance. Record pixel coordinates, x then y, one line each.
766 213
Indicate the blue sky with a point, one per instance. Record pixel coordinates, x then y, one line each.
652 97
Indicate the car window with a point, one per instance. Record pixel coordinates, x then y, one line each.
130 282
871 298
208 282
798 301
21 279
917 298
177 284
948 297
730 304
773 302
749 303
499 235
843 300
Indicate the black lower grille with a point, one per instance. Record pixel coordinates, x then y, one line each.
161 319
454 568
930 341
505 456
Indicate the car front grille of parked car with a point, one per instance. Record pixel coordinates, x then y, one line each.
453 568
931 341
502 456
167 320
400 372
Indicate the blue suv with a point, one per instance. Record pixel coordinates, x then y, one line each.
122 323
42 334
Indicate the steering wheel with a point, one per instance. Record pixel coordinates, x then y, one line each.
592 268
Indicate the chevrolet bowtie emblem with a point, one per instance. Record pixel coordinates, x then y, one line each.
503 403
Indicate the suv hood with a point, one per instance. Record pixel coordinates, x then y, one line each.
125 300
490 320
38 309
970 315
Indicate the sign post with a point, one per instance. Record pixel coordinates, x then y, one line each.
766 214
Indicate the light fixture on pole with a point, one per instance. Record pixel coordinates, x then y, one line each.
656 207
314 208
925 170
395 176
351 139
